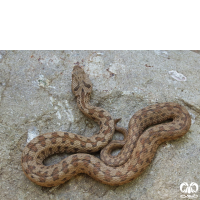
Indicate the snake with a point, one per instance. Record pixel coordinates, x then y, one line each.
147 129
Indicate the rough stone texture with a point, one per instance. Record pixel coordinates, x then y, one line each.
36 97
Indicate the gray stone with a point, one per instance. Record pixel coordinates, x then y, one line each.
36 97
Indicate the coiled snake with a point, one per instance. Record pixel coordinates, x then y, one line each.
138 147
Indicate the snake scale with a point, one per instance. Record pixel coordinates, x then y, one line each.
146 132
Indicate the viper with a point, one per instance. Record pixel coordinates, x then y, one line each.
146 131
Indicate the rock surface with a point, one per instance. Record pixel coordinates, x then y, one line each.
36 97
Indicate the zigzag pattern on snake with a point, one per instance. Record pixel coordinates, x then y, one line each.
138 147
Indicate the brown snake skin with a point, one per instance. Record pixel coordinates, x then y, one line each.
139 145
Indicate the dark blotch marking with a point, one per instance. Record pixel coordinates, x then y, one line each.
140 161
94 144
42 179
32 147
107 176
55 174
50 150
30 169
66 134
161 128
65 167
75 149
169 108
137 154
42 140
74 161
27 158
55 135
77 87
96 168
86 85
83 144
53 140
172 128
148 160
101 115
59 148
144 150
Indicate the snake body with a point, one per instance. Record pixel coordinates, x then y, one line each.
146 132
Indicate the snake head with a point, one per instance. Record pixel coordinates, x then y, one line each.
80 82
